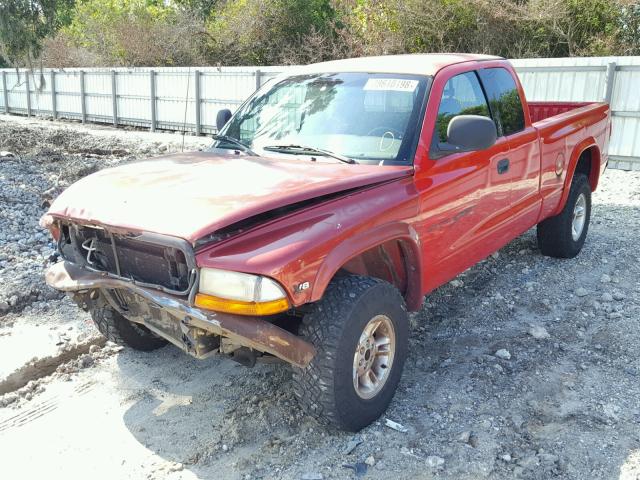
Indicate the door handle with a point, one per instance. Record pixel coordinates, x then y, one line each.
503 166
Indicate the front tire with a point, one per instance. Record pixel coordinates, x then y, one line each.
360 331
563 236
116 328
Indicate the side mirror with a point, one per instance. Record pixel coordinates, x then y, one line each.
222 118
467 133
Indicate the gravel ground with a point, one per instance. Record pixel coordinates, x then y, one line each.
522 367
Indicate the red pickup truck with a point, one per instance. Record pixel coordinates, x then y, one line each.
329 204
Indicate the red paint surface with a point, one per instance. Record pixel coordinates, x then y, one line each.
193 194
542 110
448 213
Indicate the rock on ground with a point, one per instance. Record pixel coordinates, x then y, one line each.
539 332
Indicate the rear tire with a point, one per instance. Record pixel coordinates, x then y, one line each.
360 331
563 236
118 329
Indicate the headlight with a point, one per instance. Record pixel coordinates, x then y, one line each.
240 293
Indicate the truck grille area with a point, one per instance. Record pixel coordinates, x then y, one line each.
140 258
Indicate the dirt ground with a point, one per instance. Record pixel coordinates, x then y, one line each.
522 367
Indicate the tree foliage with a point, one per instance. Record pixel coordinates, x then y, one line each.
262 32
24 24
629 28
255 32
134 32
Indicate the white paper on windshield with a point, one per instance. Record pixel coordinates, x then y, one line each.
392 84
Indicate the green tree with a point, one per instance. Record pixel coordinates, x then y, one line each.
561 28
136 32
24 24
268 32
629 28
202 8
259 32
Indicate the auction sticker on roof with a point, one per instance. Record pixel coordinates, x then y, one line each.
394 84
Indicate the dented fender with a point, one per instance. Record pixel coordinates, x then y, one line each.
304 249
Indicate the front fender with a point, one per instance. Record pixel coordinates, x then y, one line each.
304 250
357 244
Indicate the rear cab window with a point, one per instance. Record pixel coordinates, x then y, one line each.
504 100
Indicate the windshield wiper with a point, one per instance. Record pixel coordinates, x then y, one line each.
302 149
234 141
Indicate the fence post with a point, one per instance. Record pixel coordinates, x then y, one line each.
114 98
28 89
611 77
54 107
6 93
83 106
197 99
152 95
258 79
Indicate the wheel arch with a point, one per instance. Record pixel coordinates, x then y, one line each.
390 252
585 158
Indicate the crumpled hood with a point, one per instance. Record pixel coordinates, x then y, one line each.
195 194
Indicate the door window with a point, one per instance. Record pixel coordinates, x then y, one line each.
462 95
504 99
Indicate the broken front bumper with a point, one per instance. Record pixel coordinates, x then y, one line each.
187 327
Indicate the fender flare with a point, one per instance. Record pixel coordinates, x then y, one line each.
355 245
577 152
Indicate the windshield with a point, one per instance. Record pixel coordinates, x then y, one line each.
371 118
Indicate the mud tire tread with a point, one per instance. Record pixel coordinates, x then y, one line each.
554 233
116 328
315 386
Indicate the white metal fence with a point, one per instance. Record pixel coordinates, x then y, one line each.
612 79
189 98
164 98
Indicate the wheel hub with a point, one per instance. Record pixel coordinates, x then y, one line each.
579 217
373 356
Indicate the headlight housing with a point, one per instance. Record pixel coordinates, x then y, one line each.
240 293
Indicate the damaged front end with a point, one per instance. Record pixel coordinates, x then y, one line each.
152 280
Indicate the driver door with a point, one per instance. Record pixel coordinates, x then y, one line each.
464 197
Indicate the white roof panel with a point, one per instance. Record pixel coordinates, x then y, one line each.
413 64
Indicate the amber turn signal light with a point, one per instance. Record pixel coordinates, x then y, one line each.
209 302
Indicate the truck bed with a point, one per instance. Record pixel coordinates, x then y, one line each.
564 128
542 110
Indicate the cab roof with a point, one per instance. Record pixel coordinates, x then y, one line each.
412 64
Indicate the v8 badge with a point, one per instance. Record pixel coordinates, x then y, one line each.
301 287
